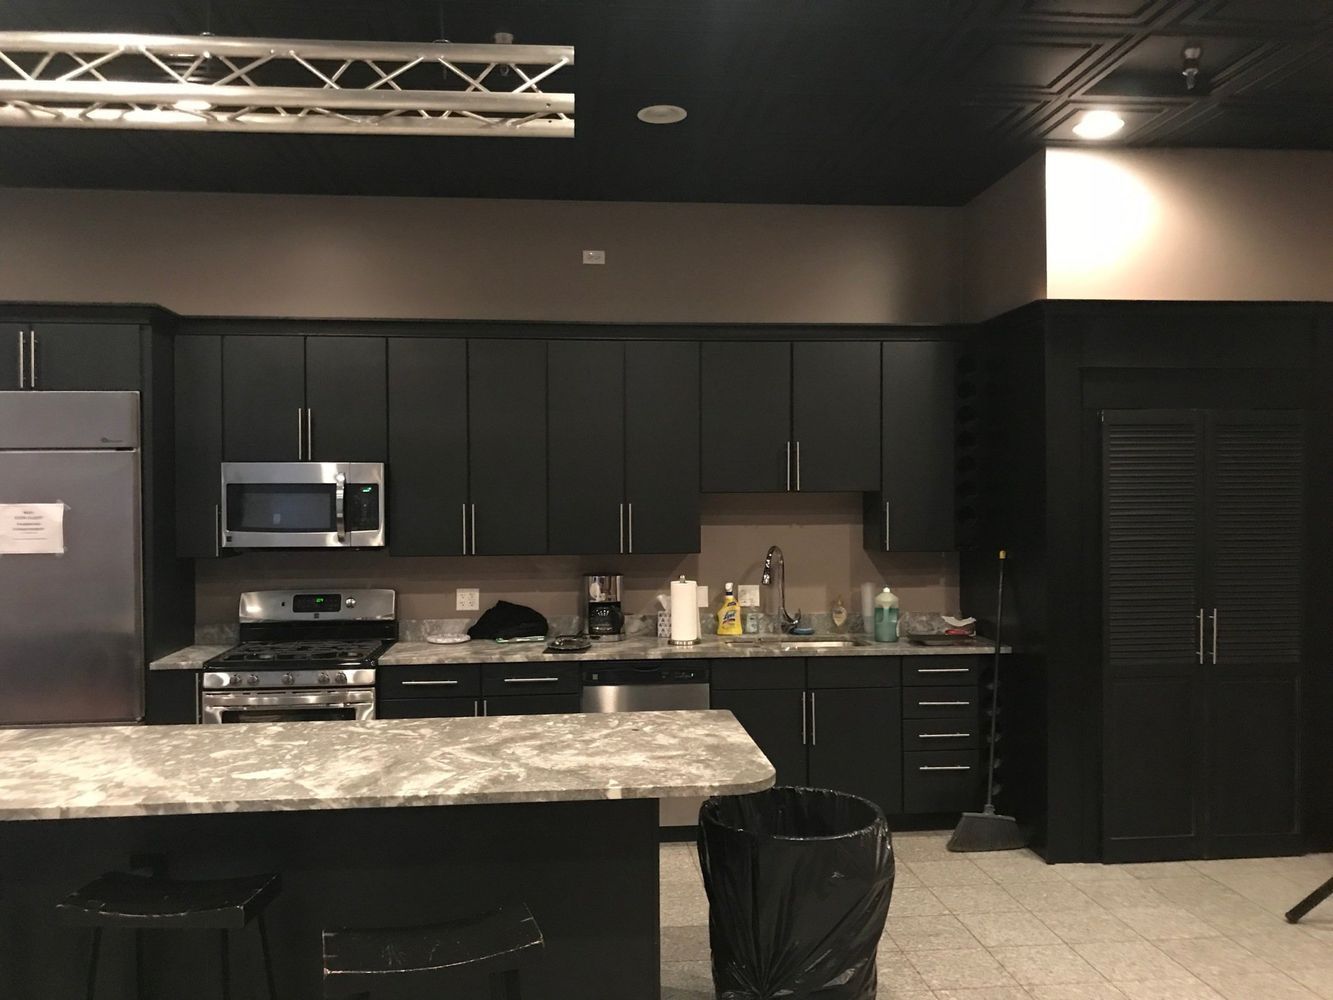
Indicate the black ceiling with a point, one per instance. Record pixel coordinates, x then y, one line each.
798 101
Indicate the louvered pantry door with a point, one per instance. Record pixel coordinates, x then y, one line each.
1153 544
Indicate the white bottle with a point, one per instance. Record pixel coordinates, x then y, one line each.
886 616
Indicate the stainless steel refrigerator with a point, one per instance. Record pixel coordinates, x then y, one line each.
71 608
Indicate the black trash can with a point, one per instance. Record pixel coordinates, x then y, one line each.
799 882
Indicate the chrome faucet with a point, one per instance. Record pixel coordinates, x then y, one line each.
773 562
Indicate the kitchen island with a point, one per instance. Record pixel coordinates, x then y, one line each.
372 823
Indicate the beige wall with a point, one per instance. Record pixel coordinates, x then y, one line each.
820 535
1002 255
320 256
1189 224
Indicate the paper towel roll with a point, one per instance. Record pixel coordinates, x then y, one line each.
868 608
684 611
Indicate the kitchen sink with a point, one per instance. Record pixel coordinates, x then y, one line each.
793 643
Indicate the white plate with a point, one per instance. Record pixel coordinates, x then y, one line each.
448 640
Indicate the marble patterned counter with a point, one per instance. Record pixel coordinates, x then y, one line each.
123 771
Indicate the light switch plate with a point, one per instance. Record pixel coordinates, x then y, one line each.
703 596
469 599
748 595
594 256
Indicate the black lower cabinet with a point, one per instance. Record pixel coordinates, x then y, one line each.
171 698
775 721
532 704
855 743
427 708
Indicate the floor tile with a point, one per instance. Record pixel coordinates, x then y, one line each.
1289 948
884 993
685 944
1261 986
958 871
1317 981
687 981
915 903
995 930
1238 917
1128 961
1158 869
1056 963
683 909
1192 890
1169 989
985 993
1014 866
1093 873
1209 958
1130 893
1051 896
898 975
930 933
1076 991
976 899
967 968
1161 923
1088 926
904 878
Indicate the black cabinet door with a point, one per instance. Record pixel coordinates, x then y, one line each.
775 720
427 708
198 444
856 744
507 451
586 446
532 704
13 356
661 447
263 398
84 356
835 416
345 383
746 417
913 509
427 473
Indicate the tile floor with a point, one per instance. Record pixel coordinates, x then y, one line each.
1007 926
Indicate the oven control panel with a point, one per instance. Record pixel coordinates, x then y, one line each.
218 680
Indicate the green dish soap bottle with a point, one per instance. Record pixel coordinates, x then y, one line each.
886 616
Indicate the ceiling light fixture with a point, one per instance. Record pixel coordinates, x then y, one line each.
1098 125
69 80
662 114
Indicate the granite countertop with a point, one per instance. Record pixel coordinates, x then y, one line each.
189 658
88 772
709 647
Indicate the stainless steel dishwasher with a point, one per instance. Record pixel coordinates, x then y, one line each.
649 687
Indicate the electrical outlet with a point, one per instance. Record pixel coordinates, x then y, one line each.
594 256
469 599
703 596
748 595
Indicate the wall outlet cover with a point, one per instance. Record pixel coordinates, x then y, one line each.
703 596
469 599
594 256
748 595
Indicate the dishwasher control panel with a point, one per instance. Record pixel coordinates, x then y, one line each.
646 674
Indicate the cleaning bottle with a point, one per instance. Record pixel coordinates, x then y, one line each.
886 616
729 615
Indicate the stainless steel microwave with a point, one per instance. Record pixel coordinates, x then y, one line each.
302 505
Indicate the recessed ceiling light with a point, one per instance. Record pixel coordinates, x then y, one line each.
1098 125
662 114
192 104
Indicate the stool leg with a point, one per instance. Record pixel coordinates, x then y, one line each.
506 986
268 959
92 962
226 965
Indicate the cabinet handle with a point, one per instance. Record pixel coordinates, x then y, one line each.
23 377
464 529
1214 635
483 707
622 528
888 522
804 709
798 467
942 670
788 466
945 767
924 736
476 708
32 359
814 722
531 680
630 510
300 434
217 530
309 435
474 528
938 704
1200 650
428 683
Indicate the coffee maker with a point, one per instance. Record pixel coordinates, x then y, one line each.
601 607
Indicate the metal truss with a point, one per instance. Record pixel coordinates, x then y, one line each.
68 80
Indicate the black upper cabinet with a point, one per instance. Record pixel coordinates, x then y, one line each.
586 446
263 401
507 446
913 510
661 446
428 456
856 743
345 396
83 356
746 417
835 416
198 444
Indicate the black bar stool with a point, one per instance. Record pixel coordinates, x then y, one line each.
140 903
500 942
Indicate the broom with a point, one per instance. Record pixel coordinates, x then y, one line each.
988 830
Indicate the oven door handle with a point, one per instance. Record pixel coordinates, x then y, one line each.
340 505
286 699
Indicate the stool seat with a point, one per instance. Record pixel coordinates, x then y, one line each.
142 902
500 940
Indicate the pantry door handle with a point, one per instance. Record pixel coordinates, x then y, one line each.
629 507
464 529
945 767
887 529
474 529
814 722
798 467
1200 650
1214 636
788 466
804 709
622 528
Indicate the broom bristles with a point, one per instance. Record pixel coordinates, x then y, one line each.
986 831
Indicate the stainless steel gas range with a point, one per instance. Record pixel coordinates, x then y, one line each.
304 655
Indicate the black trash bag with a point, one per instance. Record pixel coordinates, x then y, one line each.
799 882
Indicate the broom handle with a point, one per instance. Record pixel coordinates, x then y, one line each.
995 689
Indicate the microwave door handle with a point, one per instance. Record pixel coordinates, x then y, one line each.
340 505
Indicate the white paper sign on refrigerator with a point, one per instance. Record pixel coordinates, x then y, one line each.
32 529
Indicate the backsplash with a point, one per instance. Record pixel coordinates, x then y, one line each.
820 535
